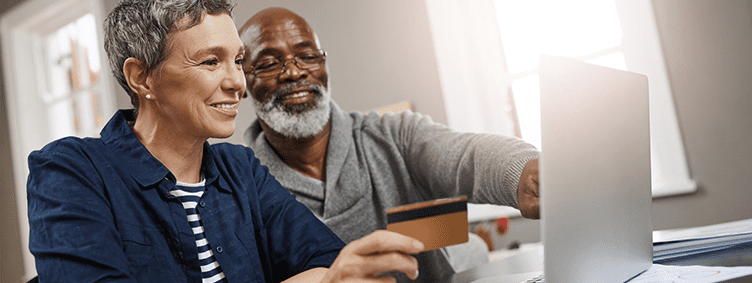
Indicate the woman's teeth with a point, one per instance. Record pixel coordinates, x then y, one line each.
224 106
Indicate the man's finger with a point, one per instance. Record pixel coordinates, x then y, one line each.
531 209
527 190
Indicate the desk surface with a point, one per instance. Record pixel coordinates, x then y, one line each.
530 261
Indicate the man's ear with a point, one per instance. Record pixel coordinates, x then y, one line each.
136 75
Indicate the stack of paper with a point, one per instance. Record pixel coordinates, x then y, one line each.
691 274
669 244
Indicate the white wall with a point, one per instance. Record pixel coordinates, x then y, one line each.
379 53
707 44
11 259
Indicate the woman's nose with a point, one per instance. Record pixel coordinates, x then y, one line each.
234 79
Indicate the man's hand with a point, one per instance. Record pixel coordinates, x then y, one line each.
382 251
527 190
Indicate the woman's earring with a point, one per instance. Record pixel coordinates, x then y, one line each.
148 96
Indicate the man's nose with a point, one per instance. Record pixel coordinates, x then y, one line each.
291 71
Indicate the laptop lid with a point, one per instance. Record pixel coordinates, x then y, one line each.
594 172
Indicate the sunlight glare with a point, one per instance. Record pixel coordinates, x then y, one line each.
560 28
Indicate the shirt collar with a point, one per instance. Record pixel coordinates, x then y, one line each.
136 159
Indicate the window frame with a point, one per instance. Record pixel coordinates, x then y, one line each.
22 30
471 64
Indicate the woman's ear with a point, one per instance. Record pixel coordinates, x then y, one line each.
136 75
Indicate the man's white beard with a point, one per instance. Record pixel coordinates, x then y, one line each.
292 121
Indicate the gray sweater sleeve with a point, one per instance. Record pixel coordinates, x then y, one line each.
445 163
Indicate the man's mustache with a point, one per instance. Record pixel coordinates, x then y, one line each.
277 95
317 90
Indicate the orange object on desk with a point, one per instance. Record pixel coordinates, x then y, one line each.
502 225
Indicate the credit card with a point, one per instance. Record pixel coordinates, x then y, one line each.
436 223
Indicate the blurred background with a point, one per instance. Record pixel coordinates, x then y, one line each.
469 64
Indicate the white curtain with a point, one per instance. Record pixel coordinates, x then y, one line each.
469 55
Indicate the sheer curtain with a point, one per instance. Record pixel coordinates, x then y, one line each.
487 53
469 54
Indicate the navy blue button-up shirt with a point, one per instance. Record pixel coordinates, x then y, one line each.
99 209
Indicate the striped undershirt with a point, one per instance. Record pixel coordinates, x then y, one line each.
190 195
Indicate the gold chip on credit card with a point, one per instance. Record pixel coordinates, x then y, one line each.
436 223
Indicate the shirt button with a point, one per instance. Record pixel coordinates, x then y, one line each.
220 249
202 203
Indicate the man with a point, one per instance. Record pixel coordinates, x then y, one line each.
348 168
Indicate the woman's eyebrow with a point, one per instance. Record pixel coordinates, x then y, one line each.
213 50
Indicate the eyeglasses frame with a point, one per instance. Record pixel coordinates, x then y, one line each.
295 61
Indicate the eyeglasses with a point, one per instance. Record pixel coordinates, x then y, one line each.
309 60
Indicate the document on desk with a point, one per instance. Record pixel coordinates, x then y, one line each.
669 244
690 274
704 232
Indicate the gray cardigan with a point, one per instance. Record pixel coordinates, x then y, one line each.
377 162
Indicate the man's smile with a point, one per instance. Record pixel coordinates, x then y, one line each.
296 97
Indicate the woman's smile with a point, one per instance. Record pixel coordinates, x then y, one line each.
227 108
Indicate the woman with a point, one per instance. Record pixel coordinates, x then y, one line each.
153 201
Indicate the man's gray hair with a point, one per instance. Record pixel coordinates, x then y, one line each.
141 29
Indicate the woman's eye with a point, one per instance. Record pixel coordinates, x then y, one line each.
240 61
210 62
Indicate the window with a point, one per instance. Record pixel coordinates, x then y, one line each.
488 51
588 30
69 70
55 83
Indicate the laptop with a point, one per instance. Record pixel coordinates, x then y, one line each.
595 182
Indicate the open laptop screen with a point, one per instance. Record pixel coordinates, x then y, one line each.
594 172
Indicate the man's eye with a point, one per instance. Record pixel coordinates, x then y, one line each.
309 57
266 65
240 61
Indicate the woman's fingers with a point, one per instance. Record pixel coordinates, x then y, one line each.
386 262
375 254
383 279
383 241
372 266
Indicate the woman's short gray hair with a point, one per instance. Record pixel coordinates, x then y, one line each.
141 28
